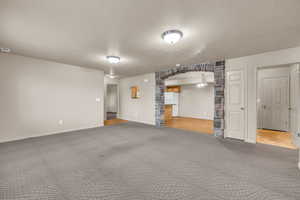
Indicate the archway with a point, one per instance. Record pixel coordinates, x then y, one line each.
219 72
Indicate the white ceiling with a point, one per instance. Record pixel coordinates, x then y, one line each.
84 32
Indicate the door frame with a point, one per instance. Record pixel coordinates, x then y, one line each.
256 91
286 76
118 99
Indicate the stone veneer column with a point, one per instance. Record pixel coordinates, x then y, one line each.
219 74
219 115
159 100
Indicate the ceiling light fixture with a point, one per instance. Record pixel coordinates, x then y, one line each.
172 36
5 50
201 85
111 74
203 82
113 59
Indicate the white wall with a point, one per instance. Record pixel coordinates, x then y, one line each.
142 109
196 102
250 64
36 94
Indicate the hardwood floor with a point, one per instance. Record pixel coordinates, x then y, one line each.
113 122
191 124
277 138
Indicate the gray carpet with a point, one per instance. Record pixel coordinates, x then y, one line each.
139 162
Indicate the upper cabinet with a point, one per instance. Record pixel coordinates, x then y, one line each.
173 89
171 98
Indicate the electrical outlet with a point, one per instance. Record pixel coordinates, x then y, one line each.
60 122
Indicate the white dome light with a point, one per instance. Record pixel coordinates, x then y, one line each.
5 50
113 59
172 36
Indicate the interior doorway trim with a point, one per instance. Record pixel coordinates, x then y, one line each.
219 74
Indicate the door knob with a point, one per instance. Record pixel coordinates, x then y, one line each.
242 108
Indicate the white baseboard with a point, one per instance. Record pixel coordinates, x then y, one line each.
138 121
250 141
49 133
196 117
133 119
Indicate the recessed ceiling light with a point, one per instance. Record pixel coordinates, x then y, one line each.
172 36
113 59
5 50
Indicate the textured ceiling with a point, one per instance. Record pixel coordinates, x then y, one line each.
84 32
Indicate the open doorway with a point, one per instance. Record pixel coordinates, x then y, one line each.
276 105
112 105
218 68
189 102
111 101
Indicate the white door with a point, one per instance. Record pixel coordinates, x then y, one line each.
294 100
235 104
275 103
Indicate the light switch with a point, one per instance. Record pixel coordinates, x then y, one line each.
97 99
60 122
